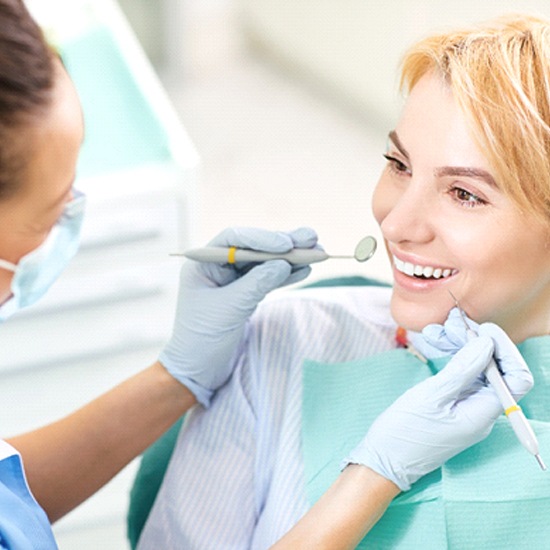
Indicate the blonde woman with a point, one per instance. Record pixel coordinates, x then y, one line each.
464 206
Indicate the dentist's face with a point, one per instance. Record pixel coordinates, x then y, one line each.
49 148
448 226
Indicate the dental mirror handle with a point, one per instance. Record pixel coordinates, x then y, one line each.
364 250
222 255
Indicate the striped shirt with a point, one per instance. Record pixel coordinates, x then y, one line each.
236 478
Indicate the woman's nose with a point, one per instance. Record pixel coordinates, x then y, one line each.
409 217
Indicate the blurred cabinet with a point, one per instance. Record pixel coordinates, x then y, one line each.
160 26
147 20
110 312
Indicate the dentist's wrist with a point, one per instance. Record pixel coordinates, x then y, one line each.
174 388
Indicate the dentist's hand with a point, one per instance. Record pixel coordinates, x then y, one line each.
451 336
215 302
445 414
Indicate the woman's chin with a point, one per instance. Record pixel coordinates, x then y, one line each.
414 316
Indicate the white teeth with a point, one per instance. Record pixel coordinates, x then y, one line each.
408 268
422 271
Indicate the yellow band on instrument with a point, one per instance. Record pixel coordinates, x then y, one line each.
512 409
231 255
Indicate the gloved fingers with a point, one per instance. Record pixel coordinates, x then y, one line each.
303 237
462 371
255 239
435 336
262 240
198 275
298 273
513 367
261 279
219 275
455 324
505 349
450 336
481 407
212 274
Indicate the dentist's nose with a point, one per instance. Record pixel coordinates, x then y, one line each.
408 217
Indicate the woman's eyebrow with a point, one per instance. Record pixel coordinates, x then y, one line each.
459 171
466 172
397 142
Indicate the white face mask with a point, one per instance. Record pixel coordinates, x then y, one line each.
37 271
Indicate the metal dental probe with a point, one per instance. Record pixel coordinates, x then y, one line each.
218 254
523 430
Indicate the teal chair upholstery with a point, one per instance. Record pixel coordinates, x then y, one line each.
156 458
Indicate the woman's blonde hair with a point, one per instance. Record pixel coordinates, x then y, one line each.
499 73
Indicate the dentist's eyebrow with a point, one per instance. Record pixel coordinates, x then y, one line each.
397 142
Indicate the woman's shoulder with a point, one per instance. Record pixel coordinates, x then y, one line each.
309 322
367 303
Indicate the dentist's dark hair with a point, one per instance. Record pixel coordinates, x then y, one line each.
26 82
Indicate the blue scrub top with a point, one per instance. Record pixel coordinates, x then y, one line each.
23 523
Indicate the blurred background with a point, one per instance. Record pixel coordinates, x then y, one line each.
269 113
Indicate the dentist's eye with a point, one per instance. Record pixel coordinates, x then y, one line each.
466 198
396 166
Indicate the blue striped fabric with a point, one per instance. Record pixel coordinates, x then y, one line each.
236 478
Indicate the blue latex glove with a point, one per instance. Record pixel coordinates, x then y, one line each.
451 336
215 302
445 414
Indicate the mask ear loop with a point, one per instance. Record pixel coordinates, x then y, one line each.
4 264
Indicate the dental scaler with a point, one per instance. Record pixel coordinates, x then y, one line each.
523 430
364 250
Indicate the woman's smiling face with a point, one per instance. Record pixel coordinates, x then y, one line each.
448 226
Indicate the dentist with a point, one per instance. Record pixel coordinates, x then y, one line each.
46 473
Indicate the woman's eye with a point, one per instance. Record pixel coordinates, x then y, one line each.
396 165
466 198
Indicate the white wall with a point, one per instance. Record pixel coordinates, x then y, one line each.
352 47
